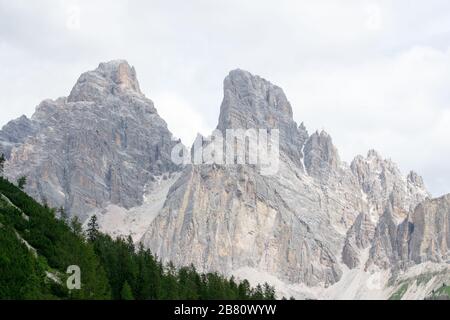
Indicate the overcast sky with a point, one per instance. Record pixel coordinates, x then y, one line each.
374 74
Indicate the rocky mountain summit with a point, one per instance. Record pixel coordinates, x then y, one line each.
100 145
318 228
310 223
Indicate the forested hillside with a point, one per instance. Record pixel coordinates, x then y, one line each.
36 249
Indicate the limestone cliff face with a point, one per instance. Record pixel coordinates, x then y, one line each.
15 133
100 145
430 231
321 156
104 149
384 251
116 78
294 224
383 183
422 237
251 102
359 237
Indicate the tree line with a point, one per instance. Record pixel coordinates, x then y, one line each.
36 248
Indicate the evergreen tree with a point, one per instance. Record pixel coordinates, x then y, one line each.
258 293
92 231
233 291
170 288
63 214
130 244
76 226
244 290
45 203
21 182
2 164
126 293
269 292
188 284
111 269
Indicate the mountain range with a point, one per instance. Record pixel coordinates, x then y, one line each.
320 228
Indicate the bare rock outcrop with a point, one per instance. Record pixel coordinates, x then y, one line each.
359 237
294 224
100 145
105 149
430 231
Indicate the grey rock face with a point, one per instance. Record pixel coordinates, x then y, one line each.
321 155
251 102
384 251
293 225
430 231
423 236
359 237
14 133
393 197
383 183
226 219
100 145
115 78
104 143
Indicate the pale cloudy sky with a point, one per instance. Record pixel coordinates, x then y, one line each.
374 74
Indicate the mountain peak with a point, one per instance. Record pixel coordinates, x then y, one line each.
238 73
121 73
372 153
252 102
414 178
113 77
321 155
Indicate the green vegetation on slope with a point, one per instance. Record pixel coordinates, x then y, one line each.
57 248
398 295
442 292
36 249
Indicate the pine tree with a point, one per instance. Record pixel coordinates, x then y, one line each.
92 231
233 292
111 269
170 289
130 244
63 214
45 203
21 182
126 293
269 292
76 227
258 293
2 164
244 290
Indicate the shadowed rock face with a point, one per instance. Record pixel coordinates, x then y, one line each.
430 231
100 145
423 236
359 237
15 133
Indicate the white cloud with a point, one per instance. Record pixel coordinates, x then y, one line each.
374 73
183 121
398 105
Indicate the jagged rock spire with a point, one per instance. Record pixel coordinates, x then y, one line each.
99 146
251 102
115 77
320 154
